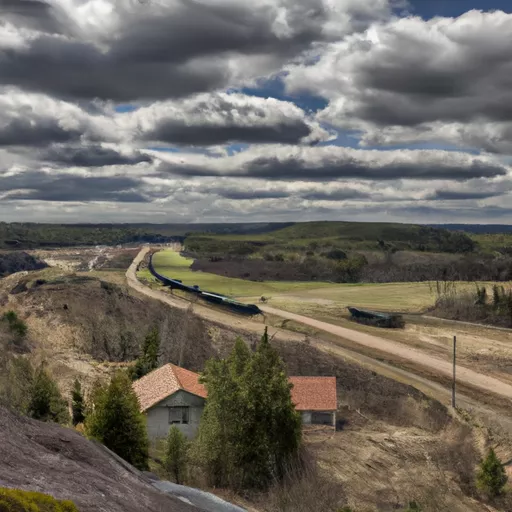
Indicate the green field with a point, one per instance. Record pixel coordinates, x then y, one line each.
174 266
300 296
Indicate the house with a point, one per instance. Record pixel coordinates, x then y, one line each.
172 395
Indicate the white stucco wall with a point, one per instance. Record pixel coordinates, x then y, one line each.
158 415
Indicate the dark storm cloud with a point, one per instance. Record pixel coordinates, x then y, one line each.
331 168
24 131
154 54
335 195
64 187
91 156
286 133
33 14
454 195
222 118
248 194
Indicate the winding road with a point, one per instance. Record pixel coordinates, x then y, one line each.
433 364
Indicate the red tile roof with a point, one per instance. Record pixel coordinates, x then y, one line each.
165 381
314 393
308 393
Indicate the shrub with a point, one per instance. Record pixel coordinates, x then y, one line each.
46 402
491 477
16 325
15 500
335 254
176 455
16 380
116 421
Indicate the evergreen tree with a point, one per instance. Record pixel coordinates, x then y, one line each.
46 402
116 421
77 404
176 455
148 360
271 418
491 477
249 430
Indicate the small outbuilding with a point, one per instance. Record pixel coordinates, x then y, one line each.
172 395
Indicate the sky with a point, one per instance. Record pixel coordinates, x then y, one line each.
252 111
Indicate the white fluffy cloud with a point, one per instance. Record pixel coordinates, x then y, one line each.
408 80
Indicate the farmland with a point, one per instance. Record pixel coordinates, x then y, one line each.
173 265
411 297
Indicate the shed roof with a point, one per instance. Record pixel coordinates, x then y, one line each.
314 393
165 381
308 393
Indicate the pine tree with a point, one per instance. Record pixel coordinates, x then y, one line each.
148 360
176 454
491 477
77 404
116 421
46 402
272 418
249 430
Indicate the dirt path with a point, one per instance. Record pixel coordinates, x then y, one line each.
397 349
433 364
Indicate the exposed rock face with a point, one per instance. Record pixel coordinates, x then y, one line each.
16 261
58 461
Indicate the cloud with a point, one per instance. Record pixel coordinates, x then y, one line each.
220 118
38 120
411 79
172 49
335 195
91 156
332 163
33 185
33 14
454 195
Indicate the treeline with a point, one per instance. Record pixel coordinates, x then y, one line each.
337 266
30 236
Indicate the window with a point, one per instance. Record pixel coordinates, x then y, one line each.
178 415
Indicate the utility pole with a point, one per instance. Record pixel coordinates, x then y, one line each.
454 359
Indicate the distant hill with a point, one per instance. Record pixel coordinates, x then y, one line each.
25 235
345 235
491 229
404 236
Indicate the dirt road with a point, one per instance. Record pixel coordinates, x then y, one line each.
397 349
433 364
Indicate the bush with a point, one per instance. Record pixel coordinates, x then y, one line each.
15 500
491 478
335 254
16 325
46 402
116 421
176 455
